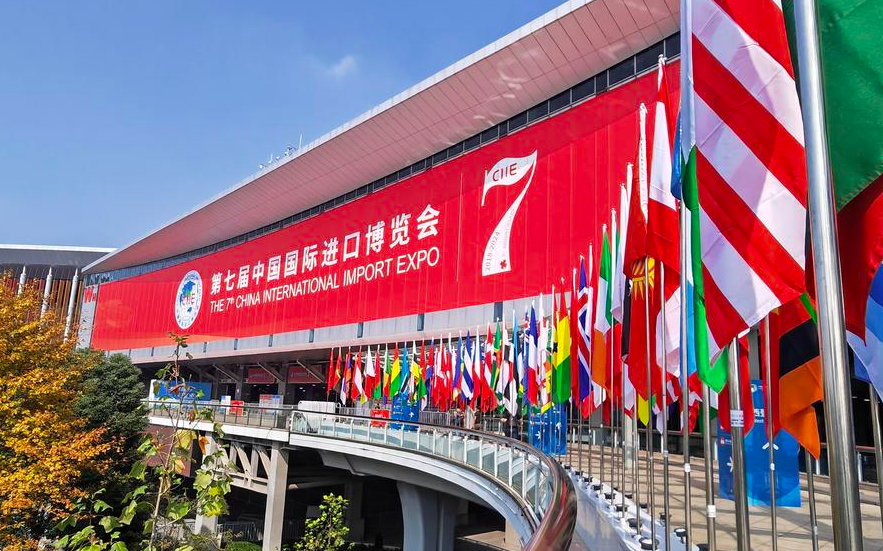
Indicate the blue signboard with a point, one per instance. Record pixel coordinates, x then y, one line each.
757 464
193 391
548 431
404 410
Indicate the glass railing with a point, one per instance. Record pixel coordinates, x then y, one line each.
534 480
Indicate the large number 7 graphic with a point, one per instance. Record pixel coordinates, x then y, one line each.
506 172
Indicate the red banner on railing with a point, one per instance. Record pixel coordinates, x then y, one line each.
505 221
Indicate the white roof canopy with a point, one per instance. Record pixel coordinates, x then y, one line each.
548 55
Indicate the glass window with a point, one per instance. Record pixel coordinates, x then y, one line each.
538 111
490 134
455 149
646 59
621 71
584 89
517 121
600 82
562 100
673 45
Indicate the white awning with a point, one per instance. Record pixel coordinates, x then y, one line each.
548 55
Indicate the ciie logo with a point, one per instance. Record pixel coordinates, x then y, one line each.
187 299
506 172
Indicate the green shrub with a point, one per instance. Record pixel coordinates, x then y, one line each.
242 546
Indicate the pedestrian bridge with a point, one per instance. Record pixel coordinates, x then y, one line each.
432 465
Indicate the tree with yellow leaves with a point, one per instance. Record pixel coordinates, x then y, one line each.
45 448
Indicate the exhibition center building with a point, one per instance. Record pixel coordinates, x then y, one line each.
457 202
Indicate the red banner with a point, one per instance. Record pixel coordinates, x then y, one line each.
505 221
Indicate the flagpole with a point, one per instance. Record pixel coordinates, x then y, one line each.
685 383
768 398
622 422
708 452
811 497
664 448
737 423
878 449
611 398
845 505
636 480
650 463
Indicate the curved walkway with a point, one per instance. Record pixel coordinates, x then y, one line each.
528 488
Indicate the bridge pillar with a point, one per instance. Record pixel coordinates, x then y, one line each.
352 491
240 383
207 524
277 485
430 518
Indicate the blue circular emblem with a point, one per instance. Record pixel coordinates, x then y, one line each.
188 299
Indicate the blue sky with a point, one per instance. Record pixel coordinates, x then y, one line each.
116 117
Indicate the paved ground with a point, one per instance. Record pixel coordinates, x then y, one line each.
793 524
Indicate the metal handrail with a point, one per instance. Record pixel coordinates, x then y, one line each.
549 505
557 516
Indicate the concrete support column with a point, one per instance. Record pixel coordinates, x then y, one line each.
277 485
352 492
240 382
448 506
207 524
430 519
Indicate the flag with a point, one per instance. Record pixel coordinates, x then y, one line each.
662 210
357 390
750 167
603 317
575 339
370 375
620 280
795 373
860 234
489 395
583 338
712 374
511 387
544 350
345 380
418 379
379 377
852 67
561 375
869 353
533 359
464 359
395 375
499 359
636 234
333 376
387 374
477 372
692 339
643 274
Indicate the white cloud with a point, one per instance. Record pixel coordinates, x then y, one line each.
342 68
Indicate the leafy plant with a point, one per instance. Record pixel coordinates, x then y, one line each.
242 546
328 531
45 447
160 492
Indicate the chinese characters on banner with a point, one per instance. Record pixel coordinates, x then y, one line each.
419 245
